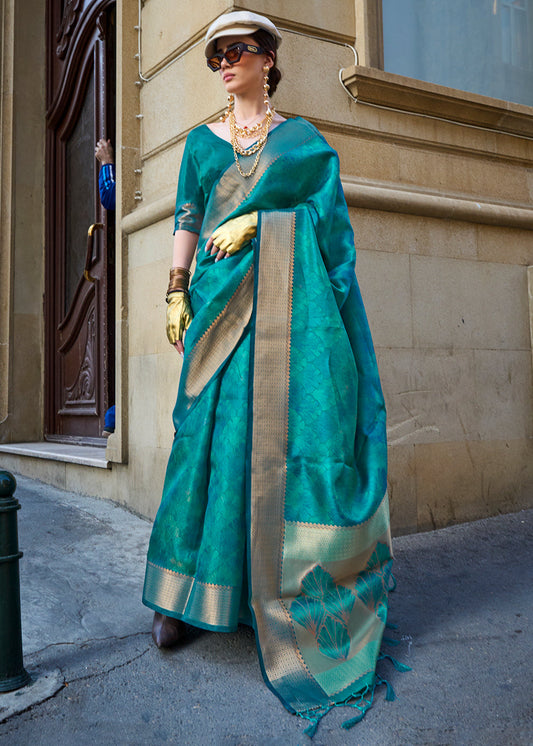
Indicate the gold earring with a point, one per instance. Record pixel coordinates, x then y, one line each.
229 107
266 87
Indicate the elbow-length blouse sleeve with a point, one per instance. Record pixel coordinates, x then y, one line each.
189 212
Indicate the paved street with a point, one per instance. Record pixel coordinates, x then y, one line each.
464 607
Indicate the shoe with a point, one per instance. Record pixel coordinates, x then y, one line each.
167 631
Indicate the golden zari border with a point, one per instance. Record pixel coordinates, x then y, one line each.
282 662
214 346
214 605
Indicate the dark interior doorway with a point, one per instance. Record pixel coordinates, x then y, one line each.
80 272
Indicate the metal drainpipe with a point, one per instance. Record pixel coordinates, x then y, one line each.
12 672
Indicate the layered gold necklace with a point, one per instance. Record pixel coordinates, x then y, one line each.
244 133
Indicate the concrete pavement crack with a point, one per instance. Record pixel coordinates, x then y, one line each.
109 670
80 643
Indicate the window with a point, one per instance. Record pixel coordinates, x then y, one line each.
482 46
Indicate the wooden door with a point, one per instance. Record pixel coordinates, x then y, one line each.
79 284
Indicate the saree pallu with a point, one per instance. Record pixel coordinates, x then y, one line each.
278 465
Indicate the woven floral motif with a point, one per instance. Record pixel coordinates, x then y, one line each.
372 584
323 608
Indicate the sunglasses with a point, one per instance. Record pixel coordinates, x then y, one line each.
232 54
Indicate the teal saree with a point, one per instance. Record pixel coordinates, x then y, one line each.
274 508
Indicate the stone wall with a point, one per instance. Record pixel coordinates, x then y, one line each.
21 219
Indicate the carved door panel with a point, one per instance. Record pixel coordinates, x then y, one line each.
79 293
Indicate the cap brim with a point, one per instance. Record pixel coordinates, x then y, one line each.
211 45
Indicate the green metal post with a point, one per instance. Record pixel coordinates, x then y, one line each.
12 673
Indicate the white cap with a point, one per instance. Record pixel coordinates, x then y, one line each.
233 24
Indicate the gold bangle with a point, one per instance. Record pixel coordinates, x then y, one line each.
179 280
178 283
181 271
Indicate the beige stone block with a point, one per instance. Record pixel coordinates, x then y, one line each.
530 294
29 76
514 148
49 472
478 176
87 480
161 171
4 388
462 304
297 93
402 490
506 468
26 384
29 276
405 130
365 158
29 255
154 244
385 286
128 127
504 245
146 475
445 395
412 234
167 26
465 481
153 389
142 381
147 308
119 484
448 484
430 395
503 394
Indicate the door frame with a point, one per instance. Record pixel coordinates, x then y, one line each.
76 50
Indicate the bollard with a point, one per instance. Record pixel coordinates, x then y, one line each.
12 672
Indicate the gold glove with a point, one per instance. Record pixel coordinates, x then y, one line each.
231 236
179 316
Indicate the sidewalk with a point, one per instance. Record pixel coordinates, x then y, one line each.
464 606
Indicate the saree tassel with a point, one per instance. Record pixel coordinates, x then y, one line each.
363 705
312 729
393 584
391 694
353 721
401 667
390 625
314 719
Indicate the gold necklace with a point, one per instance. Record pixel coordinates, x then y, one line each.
234 133
246 174
246 132
257 147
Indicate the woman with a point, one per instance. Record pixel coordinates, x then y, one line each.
274 510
